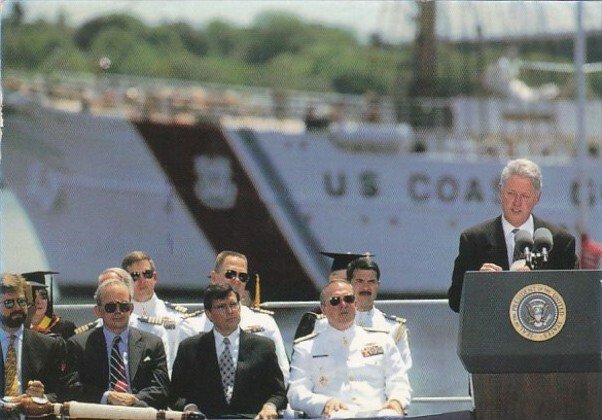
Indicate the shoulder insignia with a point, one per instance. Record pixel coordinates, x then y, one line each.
395 318
153 320
402 326
86 327
174 306
262 311
375 330
305 337
254 329
318 316
193 314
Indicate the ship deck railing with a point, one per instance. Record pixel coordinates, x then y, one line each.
439 381
477 126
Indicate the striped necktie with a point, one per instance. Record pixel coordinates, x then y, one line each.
226 368
11 385
118 379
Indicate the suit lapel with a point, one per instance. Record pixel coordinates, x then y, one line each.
243 357
207 347
26 368
135 350
500 250
99 351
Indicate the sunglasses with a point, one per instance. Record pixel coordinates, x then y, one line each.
230 274
10 303
112 307
336 300
148 274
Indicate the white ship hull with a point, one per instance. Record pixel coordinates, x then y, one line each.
82 190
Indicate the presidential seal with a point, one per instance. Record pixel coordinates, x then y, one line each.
537 312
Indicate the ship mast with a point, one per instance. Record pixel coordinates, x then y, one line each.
579 58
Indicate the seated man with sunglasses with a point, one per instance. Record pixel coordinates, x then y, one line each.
30 359
167 320
116 363
347 371
231 269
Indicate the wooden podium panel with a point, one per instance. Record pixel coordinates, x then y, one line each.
547 396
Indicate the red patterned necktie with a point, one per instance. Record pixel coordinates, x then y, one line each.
118 379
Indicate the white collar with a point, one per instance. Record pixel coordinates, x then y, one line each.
529 226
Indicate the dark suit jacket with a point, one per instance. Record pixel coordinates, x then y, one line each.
196 378
42 359
307 322
485 243
88 367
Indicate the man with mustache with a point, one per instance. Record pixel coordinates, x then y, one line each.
346 371
31 362
364 275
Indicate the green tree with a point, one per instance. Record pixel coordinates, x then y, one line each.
85 35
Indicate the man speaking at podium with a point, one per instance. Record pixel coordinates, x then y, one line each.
489 246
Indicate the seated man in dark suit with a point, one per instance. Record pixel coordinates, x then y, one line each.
489 246
227 371
115 363
30 360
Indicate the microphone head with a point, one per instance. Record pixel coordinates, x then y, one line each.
522 240
542 238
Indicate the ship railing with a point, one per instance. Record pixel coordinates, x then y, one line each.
468 126
439 381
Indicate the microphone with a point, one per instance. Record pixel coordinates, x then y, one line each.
523 242
544 242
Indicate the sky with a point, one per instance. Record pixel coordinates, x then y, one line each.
391 19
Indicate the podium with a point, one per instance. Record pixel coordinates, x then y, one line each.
532 342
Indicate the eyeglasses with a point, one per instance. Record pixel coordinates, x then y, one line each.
336 300
222 306
112 307
148 274
230 274
10 303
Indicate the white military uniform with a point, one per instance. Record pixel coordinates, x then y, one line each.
166 321
257 321
357 366
375 319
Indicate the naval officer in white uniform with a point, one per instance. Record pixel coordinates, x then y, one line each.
347 371
154 315
231 269
364 275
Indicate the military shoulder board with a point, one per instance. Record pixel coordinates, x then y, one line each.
376 330
86 327
402 326
305 337
395 318
262 311
178 308
193 314
254 329
153 320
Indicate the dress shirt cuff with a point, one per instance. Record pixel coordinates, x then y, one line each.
105 397
191 407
